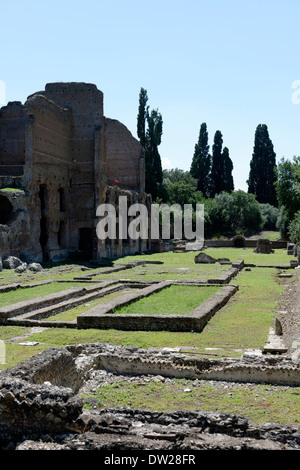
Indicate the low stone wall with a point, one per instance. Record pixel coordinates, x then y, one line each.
56 365
71 367
257 368
74 295
225 278
115 269
103 316
246 243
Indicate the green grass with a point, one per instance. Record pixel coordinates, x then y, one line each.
72 314
12 190
175 266
19 295
59 272
172 300
279 257
242 324
245 321
270 235
258 403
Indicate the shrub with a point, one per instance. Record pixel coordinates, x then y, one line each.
270 216
294 229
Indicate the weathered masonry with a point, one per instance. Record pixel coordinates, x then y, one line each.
59 159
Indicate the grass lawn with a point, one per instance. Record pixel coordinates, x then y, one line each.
175 266
242 324
259 403
72 314
19 295
172 300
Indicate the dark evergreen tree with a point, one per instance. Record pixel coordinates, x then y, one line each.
217 167
262 175
154 174
228 184
142 117
201 163
149 131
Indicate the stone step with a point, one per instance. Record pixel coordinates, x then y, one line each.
275 344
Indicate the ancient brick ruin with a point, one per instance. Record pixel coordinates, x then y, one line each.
59 159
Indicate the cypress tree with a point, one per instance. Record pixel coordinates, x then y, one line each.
149 131
262 175
142 116
201 163
228 184
216 175
154 174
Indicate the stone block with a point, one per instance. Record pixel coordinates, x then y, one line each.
264 246
11 262
204 258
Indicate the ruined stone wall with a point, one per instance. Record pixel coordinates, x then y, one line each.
246 243
124 156
85 103
48 173
15 230
66 149
116 248
41 404
12 138
51 136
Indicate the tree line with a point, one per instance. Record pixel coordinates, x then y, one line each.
272 201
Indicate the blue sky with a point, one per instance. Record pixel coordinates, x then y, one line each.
228 63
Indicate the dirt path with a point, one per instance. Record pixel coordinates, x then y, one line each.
289 311
30 332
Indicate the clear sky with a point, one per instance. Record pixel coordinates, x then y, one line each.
229 63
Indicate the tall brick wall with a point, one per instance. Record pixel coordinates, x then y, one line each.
86 104
12 134
123 155
51 135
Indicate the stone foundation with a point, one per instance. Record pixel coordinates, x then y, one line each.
103 317
41 409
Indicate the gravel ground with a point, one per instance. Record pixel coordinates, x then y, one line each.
289 313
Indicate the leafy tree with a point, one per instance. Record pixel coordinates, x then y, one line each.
201 163
288 185
294 229
228 214
242 209
288 192
282 223
262 175
150 139
181 188
270 216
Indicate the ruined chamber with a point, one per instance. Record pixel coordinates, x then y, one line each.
59 159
